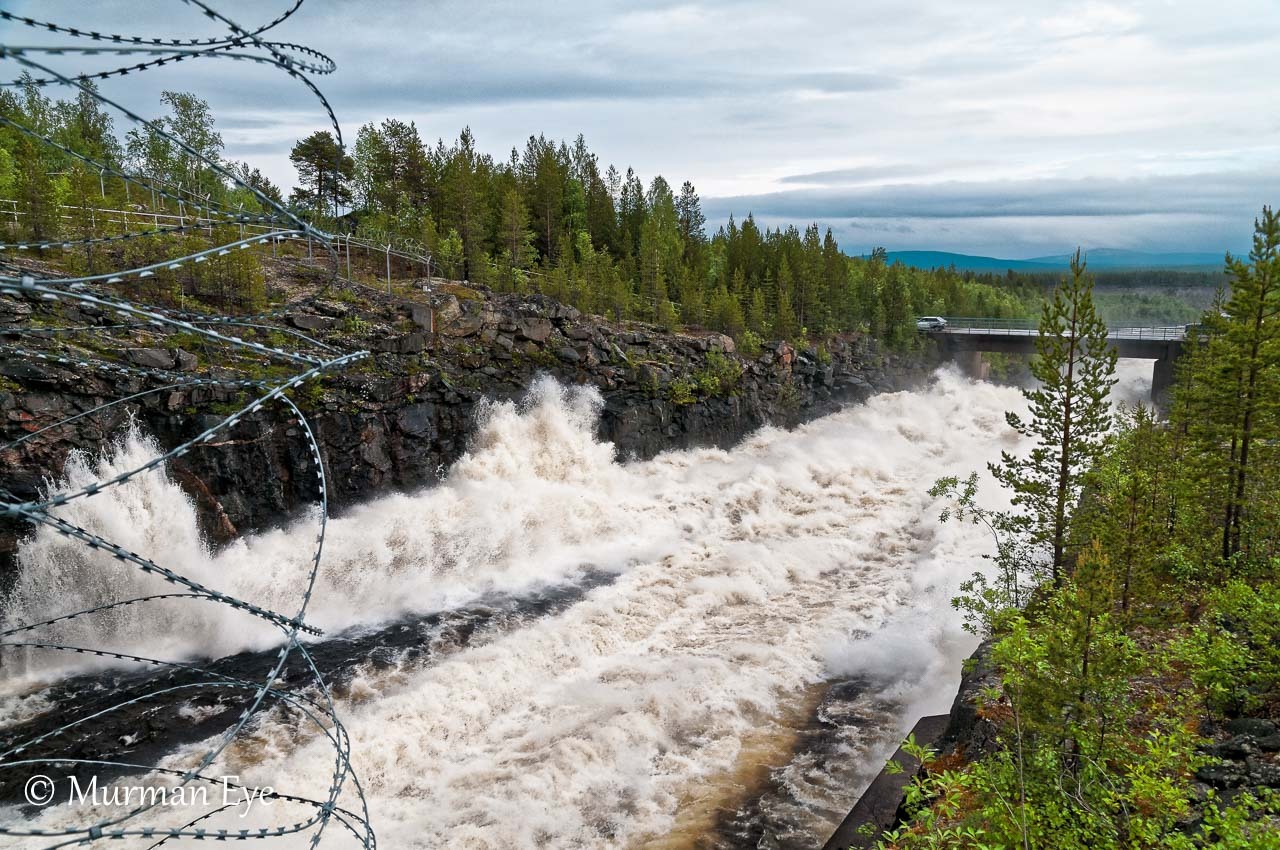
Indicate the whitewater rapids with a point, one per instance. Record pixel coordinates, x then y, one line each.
743 581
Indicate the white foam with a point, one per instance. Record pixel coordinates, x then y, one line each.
743 577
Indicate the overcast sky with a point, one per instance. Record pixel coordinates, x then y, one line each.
1012 128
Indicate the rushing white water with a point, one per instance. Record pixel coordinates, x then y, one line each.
745 578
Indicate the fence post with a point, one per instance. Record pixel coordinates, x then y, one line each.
348 256
388 268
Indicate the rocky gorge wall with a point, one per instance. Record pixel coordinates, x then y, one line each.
398 421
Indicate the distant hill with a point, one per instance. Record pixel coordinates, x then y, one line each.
1098 259
968 262
1118 258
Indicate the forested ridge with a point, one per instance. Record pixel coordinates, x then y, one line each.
549 218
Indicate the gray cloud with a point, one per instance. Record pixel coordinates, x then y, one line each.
1210 193
859 174
922 123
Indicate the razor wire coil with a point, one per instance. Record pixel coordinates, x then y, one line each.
315 703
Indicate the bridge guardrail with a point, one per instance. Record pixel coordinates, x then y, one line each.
1030 327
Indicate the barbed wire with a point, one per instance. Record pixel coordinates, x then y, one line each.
306 358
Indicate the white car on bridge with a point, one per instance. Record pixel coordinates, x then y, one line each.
930 323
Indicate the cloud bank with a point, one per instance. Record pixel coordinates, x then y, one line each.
993 126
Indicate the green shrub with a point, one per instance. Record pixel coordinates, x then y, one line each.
1234 652
680 391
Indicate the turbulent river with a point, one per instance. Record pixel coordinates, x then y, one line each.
735 639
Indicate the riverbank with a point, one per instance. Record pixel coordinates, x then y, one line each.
395 423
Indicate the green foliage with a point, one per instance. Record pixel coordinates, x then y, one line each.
719 376
1070 417
324 174
682 391
355 325
1234 653
1160 614
1227 403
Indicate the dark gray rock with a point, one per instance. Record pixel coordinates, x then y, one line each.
421 315
538 330
1225 775
968 733
396 426
1255 727
1238 748
185 360
150 358
412 343
311 322
1261 773
463 326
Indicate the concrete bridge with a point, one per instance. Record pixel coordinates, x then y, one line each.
965 339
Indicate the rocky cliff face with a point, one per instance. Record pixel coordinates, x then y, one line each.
398 421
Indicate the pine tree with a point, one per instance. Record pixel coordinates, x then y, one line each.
324 172
1069 417
1228 399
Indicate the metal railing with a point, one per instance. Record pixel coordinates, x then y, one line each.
1031 327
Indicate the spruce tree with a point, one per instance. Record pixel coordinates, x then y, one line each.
1226 400
1069 418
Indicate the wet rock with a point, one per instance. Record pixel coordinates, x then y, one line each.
969 733
417 419
400 424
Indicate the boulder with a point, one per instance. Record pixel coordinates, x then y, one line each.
417 419
446 308
462 326
309 322
150 358
721 342
421 315
412 343
186 361
538 330
1253 726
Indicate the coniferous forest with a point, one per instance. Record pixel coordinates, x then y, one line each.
1132 613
